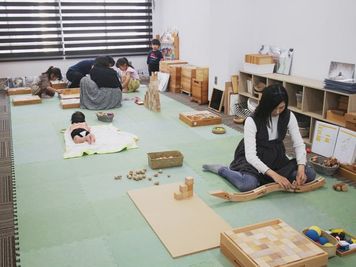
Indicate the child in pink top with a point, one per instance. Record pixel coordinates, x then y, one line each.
129 77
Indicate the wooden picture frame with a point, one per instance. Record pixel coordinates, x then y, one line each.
217 100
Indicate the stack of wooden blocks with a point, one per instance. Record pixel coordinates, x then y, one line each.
350 120
152 100
200 86
185 190
188 74
337 114
174 68
258 59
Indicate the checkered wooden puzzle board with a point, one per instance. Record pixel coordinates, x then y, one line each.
275 245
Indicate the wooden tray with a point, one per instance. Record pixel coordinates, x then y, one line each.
165 159
344 253
200 118
70 103
271 243
332 240
26 100
19 91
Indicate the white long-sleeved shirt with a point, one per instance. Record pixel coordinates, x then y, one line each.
250 131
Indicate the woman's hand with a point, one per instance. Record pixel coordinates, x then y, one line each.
279 179
301 178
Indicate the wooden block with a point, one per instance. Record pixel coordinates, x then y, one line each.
189 180
26 100
202 74
347 173
190 187
350 125
59 85
186 195
199 91
190 193
336 116
19 91
69 91
235 83
258 59
183 188
70 103
164 65
351 117
178 196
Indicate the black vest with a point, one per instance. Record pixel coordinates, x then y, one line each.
272 153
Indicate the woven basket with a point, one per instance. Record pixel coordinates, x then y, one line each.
320 168
165 159
330 250
105 116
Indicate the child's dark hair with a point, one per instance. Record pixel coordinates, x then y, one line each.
272 96
123 61
102 61
155 42
55 71
78 117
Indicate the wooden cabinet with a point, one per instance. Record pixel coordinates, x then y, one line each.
188 74
200 86
307 97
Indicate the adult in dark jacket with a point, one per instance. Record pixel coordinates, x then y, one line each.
76 72
103 75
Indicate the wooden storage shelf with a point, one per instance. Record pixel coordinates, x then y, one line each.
315 100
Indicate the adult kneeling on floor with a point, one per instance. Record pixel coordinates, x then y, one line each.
102 90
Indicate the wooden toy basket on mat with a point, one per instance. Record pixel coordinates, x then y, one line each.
331 250
165 159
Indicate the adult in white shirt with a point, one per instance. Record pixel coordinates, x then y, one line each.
260 157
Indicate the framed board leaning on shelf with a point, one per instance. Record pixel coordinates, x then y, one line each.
217 99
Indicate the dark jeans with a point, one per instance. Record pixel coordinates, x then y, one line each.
246 182
74 77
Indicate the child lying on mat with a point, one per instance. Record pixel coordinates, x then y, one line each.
79 129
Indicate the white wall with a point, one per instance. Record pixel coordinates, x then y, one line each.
36 67
222 31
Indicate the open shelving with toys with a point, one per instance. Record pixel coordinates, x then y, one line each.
308 99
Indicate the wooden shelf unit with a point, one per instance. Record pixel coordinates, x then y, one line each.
315 102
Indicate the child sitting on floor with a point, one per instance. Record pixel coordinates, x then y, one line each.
79 129
129 77
43 86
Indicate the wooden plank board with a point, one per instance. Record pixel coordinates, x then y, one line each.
184 226
69 91
19 91
20 100
70 103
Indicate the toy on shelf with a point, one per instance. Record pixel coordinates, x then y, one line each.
266 189
185 190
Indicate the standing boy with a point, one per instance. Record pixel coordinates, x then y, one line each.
154 57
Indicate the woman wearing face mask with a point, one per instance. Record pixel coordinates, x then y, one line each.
260 157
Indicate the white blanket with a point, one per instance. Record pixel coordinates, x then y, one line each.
108 140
